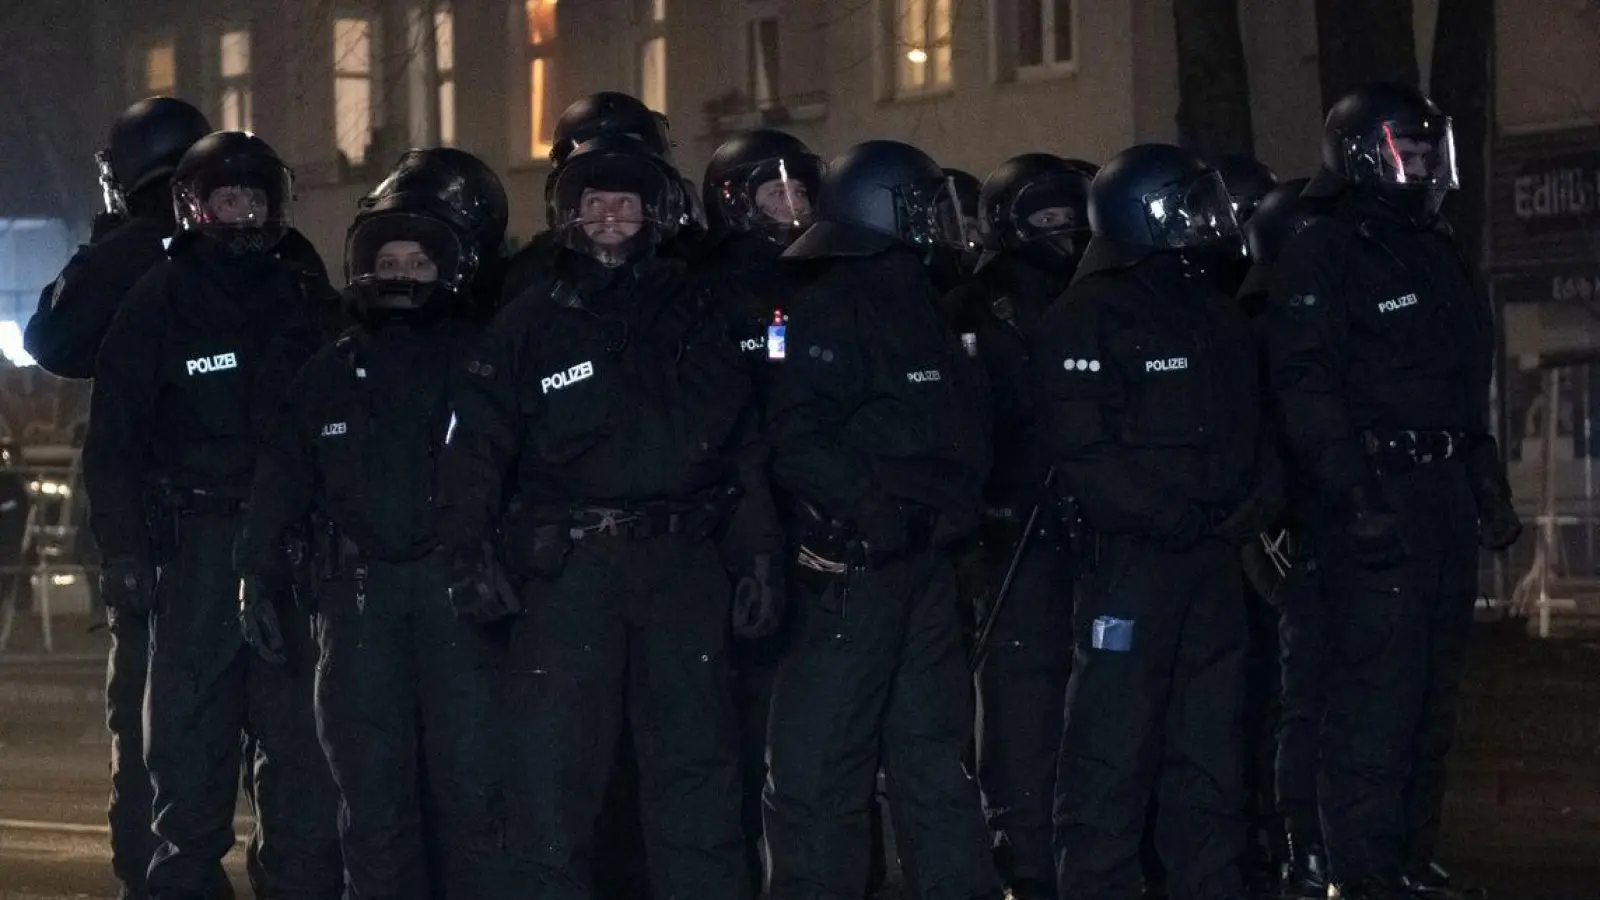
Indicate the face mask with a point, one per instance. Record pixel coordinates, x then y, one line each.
244 242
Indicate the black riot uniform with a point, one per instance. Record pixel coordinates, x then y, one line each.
879 439
406 680
1381 352
1281 568
1036 224
1151 409
64 334
758 193
607 411
190 370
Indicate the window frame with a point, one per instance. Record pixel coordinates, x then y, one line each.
244 81
531 148
1005 43
370 76
891 32
755 14
150 48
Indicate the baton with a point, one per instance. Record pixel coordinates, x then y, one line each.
980 647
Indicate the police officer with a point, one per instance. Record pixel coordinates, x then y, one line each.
878 437
603 113
1281 569
64 334
1036 225
188 373
618 393
467 182
759 189
1381 350
404 674
1151 414
1248 180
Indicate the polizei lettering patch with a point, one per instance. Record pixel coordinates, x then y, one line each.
218 363
568 378
1166 365
1389 306
925 375
334 429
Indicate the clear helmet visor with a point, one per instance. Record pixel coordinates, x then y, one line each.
1191 214
407 247
1409 155
776 195
614 204
238 194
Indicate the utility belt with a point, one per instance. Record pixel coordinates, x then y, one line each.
1394 452
642 521
842 542
333 551
170 505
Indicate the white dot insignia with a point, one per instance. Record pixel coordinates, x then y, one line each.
1081 365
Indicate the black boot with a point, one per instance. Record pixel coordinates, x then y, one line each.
1432 882
1305 875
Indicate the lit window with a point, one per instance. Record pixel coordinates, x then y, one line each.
543 103
658 11
921 31
763 61
160 70
444 65
653 74
1044 33
352 88
236 102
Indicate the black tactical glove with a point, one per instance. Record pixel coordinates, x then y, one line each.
258 619
535 550
758 600
1498 525
1373 530
479 590
128 584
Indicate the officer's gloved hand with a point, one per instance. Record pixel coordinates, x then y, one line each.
1498 525
1373 529
258 619
479 590
128 584
758 600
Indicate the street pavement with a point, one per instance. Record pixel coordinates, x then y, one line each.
1523 818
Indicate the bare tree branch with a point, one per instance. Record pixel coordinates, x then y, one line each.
1213 81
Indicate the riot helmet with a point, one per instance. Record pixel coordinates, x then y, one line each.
407 261
1391 140
763 182
1157 198
878 194
608 112
1036 206
144 147
1248 181
616 199
449 184
1281 215
232 187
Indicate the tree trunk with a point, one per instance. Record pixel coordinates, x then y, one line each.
1362 41
1213 86
1463 85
